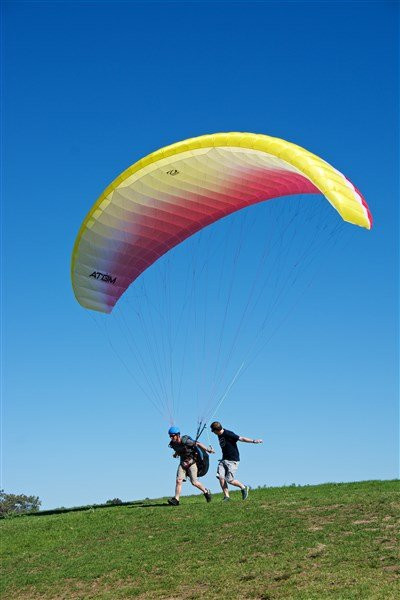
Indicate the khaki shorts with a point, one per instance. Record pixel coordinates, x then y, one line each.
227 469
191 472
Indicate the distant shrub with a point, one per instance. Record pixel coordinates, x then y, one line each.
18 504
114 502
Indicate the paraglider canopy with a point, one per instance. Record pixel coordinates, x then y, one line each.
170 194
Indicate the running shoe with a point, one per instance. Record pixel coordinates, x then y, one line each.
207 495
245 492
173 502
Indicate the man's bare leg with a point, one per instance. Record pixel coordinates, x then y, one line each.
178 488
199 486
224 487
237 483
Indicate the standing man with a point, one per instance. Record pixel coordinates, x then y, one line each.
185 449
229 462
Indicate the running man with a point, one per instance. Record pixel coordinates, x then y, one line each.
227 466
184 447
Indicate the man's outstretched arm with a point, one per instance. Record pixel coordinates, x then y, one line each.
208 449
249 440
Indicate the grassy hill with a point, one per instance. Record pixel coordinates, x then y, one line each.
313 542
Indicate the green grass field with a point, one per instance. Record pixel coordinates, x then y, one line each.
313 542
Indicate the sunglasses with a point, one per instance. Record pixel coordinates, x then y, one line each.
173 434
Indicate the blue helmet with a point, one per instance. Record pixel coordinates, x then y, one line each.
173 430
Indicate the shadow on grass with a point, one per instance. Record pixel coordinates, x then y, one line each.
60 511
145 505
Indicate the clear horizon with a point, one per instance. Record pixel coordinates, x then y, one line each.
90 88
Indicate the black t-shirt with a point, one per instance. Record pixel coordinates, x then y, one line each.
227 441
184 449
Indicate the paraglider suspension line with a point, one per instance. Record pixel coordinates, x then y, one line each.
200 428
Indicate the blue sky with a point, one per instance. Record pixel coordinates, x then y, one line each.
91 87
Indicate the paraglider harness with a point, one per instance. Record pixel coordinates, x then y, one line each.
202 461
200 456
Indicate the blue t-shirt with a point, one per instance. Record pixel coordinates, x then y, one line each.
227 441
